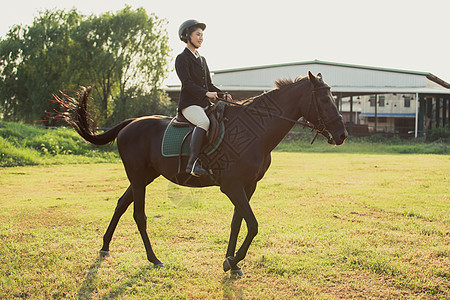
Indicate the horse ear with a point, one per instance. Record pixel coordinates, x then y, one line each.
319 76
312 78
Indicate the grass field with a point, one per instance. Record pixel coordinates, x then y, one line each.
23 145
332 226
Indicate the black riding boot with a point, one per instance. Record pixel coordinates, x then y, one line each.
193 166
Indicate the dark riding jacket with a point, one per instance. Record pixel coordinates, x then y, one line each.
195 80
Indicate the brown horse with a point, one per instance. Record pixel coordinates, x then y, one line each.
253 129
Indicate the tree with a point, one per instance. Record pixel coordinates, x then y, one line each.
124 55
32 64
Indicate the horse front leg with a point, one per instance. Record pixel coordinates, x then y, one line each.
234 233
122 205
238 196
235 228
141 222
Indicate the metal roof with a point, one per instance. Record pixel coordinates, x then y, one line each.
344 78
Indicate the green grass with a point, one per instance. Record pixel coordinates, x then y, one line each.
364 145
22 144
332 226
300 140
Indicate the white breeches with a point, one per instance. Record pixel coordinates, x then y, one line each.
197 116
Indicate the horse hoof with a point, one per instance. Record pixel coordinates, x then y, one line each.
237 272
104 254
227 263
158 266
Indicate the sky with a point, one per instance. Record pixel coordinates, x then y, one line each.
398 34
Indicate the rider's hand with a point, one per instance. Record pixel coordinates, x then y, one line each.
212 95
228 97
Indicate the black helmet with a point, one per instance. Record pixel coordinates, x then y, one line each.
186 24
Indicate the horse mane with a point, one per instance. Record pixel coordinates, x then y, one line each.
282 82
279 84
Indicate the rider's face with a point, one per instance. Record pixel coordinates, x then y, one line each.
197 37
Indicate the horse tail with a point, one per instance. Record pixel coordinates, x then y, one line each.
76 114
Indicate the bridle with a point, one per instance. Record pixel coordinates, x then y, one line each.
322 125
320 128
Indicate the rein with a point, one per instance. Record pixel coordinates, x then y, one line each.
321 128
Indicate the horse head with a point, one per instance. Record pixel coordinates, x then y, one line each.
323 112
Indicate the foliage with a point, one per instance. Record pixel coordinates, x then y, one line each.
22 144
125 56
136 103
120 54
438 133
331 226
34 63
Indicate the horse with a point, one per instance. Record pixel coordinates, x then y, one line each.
253 128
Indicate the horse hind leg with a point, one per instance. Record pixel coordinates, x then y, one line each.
141 222
122 205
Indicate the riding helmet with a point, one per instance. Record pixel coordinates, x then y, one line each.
185 25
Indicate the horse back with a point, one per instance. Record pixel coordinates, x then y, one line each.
142 136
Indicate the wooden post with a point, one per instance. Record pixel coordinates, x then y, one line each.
438 110
339 104
421 115
430 111
351 116
444 112
448 117
376 113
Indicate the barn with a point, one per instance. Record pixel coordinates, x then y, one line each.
371 99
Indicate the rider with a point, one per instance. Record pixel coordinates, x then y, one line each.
196 89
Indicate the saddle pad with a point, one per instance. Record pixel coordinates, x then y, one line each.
173 140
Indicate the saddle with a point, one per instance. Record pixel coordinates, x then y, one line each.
176 136
215 115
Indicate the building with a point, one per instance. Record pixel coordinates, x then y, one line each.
395 113
372 100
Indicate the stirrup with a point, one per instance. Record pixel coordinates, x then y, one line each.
197 170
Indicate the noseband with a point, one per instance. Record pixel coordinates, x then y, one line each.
320 128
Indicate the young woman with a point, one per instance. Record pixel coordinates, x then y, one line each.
196 89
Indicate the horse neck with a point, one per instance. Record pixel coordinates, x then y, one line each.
289 102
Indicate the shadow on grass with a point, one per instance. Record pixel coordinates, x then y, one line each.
87 288
230 289
121 289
